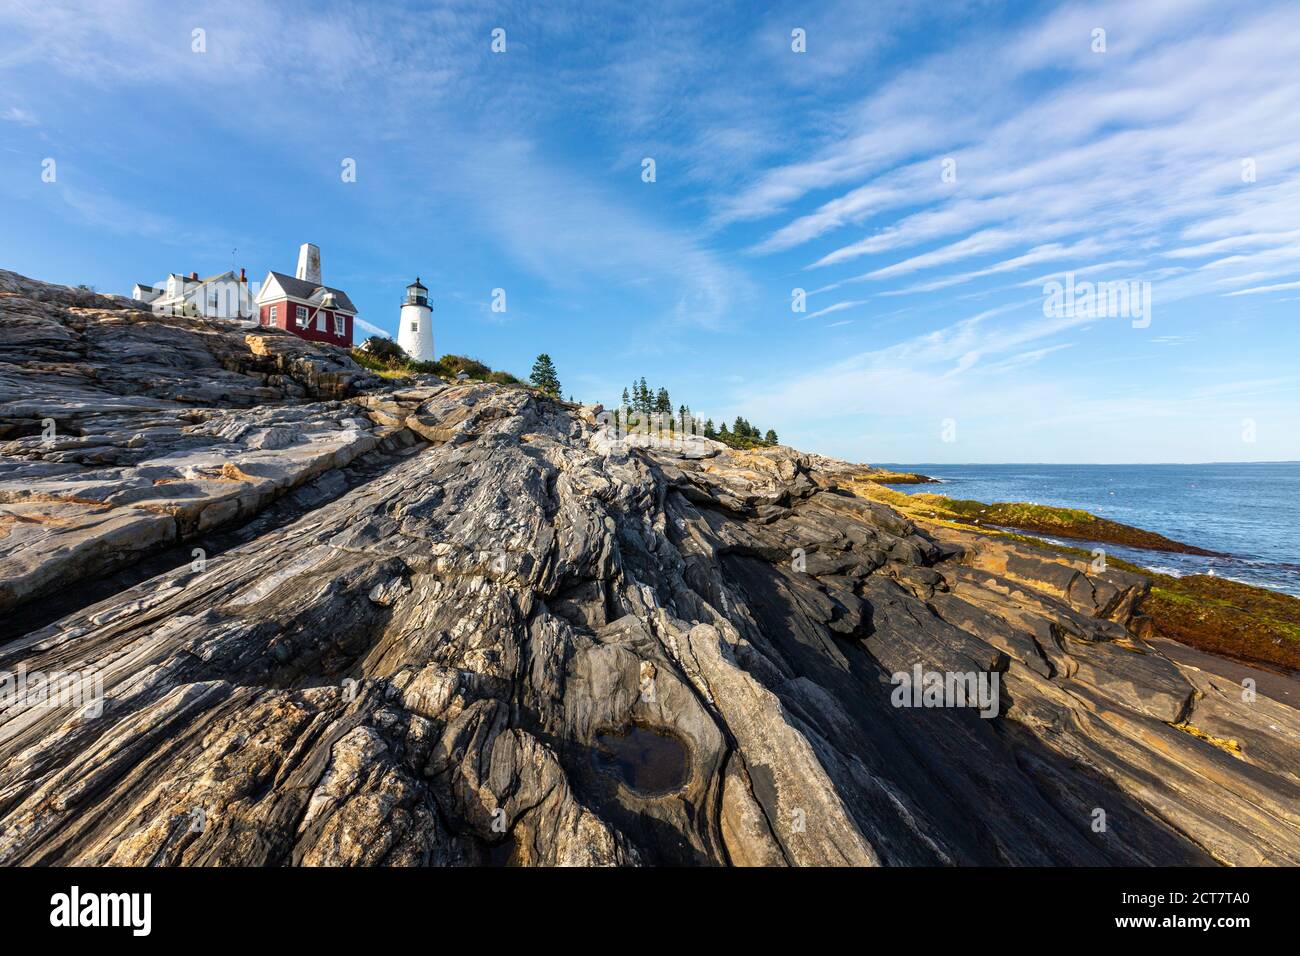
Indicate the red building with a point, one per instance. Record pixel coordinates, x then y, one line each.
302 305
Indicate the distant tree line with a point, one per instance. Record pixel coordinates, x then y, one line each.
642 404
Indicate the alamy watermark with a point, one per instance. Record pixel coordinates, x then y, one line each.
83 690
75 908
1098 300
922 688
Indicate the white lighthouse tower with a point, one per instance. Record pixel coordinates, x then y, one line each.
415 334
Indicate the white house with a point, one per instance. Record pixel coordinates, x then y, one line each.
222 296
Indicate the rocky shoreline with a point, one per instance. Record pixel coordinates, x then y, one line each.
1249 624
883 476
457 624
1072 523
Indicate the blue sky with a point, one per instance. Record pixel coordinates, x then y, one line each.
775 170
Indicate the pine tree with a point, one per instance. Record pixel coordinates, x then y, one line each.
625 399
709 431
544 376
770 437
663 404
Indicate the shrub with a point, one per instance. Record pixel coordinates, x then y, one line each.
452 365
385 357
384 349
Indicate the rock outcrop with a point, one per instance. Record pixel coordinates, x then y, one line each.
461 624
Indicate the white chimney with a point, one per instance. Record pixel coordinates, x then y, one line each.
308 263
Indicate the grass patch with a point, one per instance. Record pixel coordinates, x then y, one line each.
1065 522
1227 617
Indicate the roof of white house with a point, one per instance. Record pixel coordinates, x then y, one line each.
214 278
187 282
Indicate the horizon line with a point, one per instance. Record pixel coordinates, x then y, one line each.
1097 464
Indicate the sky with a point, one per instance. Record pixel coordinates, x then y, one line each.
921 171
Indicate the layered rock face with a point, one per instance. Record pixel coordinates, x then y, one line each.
121 431
443 624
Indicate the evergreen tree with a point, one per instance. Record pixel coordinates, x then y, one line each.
709 431
770 437
663 404
625 399
544 376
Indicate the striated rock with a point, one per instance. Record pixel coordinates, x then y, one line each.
458 625
122 433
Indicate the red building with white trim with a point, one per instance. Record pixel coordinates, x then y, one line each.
302 305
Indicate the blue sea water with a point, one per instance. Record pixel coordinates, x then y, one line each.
1251 512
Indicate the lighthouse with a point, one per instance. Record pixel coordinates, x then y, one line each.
415 333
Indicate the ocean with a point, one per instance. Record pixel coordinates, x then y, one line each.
1251 512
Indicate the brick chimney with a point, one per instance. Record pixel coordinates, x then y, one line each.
194 276
242 276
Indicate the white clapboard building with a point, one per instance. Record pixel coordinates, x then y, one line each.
223 296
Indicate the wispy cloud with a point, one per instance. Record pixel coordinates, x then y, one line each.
373 329
1126 145
16 114
1257 290
837 307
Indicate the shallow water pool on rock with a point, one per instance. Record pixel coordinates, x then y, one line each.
648 761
